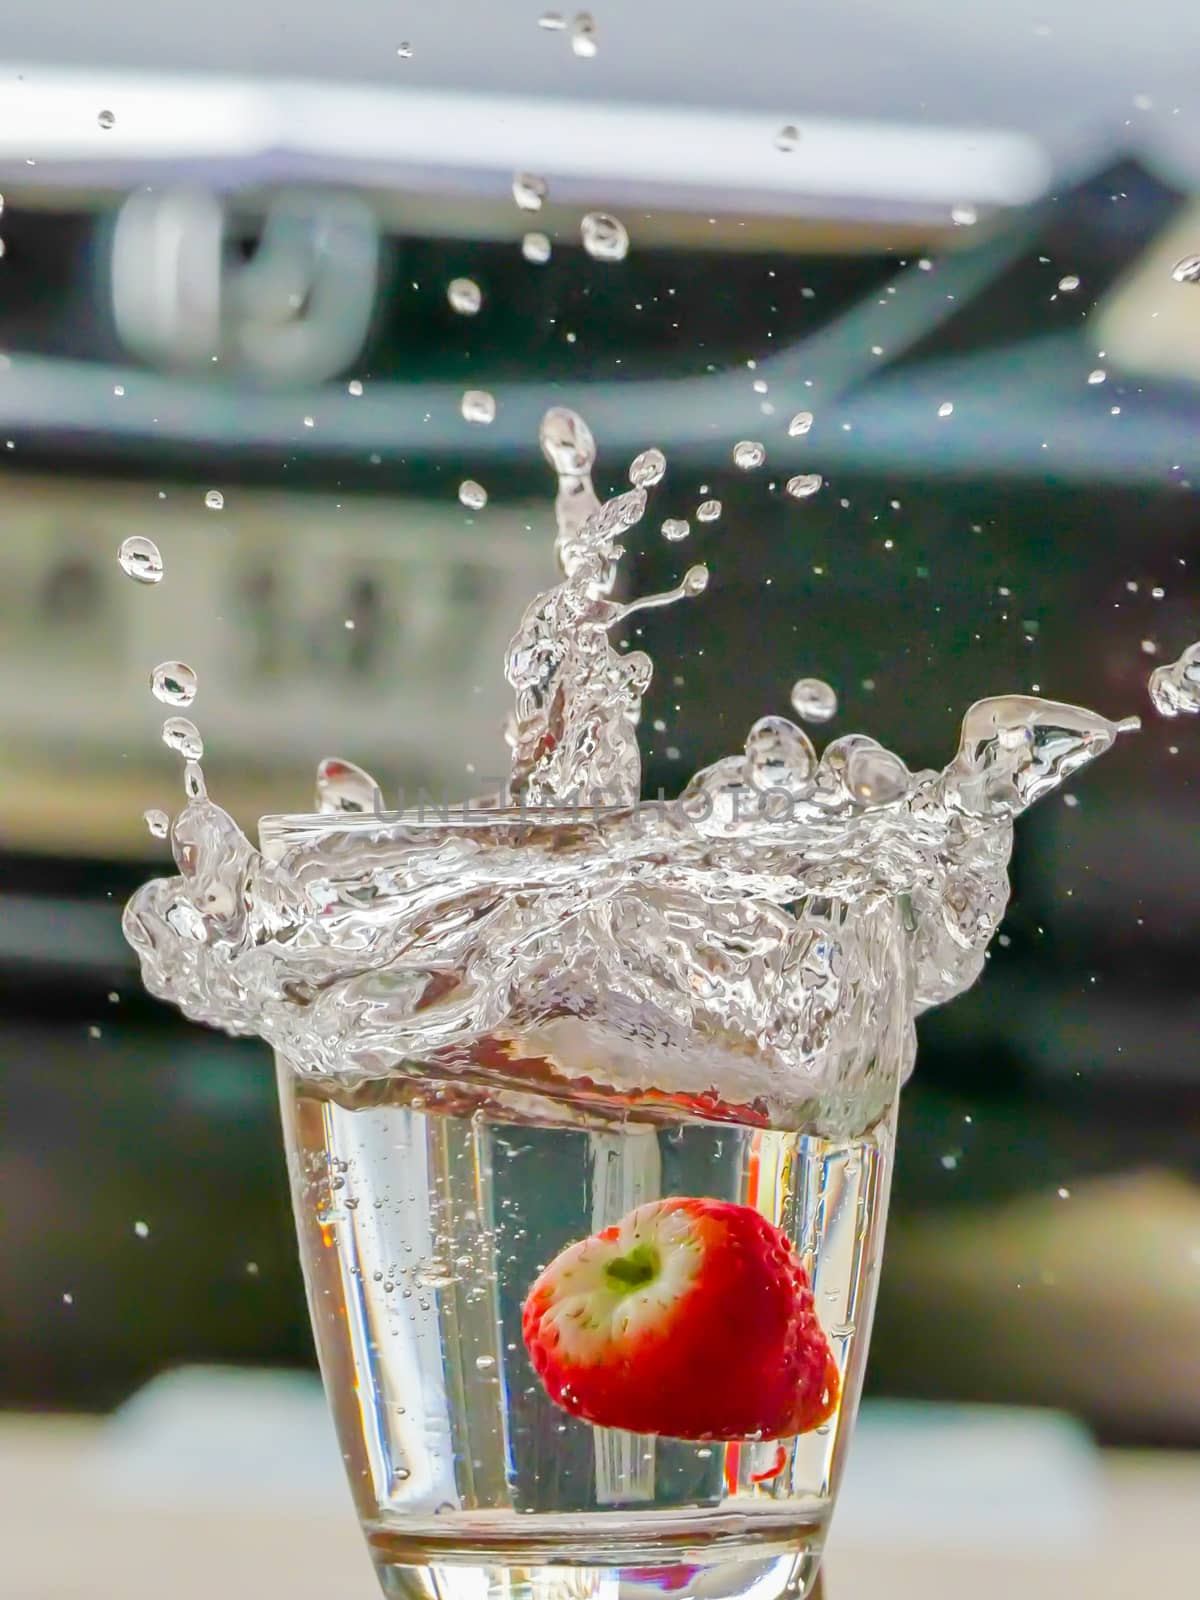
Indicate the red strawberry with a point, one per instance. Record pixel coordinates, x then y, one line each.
691 1318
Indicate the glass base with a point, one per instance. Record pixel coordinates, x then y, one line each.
729 1576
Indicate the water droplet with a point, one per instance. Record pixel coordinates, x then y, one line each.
158 822
1069 284
140 559
964 216
484 1363
647 469
876 777
788 137
479 406
1187 270
804 484
404 50
193 781
552 21
946 409
535 247
567 442
604 236
472 495
695 579
214 500
1098 375
174 683
142 1229
107 120
674 529
800 424
779 755
529 191
583 35
183 737
813 700
346 788
748 454
465 296
1175 687
708 511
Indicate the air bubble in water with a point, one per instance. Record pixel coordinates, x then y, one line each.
674 529
604 236
1069 284
107 120
465 296
478 405
472 495
708 511
529 191
1175 687
583 34
535 247
748 454
813 700
804 484
174 683
215 500
788 137
964 216
140 559
647 469
800 424
183 737
1187 270
158 822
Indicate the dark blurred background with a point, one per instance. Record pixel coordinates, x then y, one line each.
238 283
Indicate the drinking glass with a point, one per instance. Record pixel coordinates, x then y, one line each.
430 1190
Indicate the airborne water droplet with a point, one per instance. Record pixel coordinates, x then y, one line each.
1097 375
708 511
813 700
1069 284
787 138
1187 270
604 236
343 787
157 821
174 683
964 216
647 469
107 120
583 35
1175 687
140 559
465 296
183 736
529 191
484 1363
946 409
800 424
478 405
674 529
748 454
695 579
215 500
535 247
552 21
472 495
804 484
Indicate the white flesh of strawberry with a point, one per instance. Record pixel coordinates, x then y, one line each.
591 1310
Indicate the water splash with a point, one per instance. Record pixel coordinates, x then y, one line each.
762 943
1175 687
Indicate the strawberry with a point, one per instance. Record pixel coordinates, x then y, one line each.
690 1318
